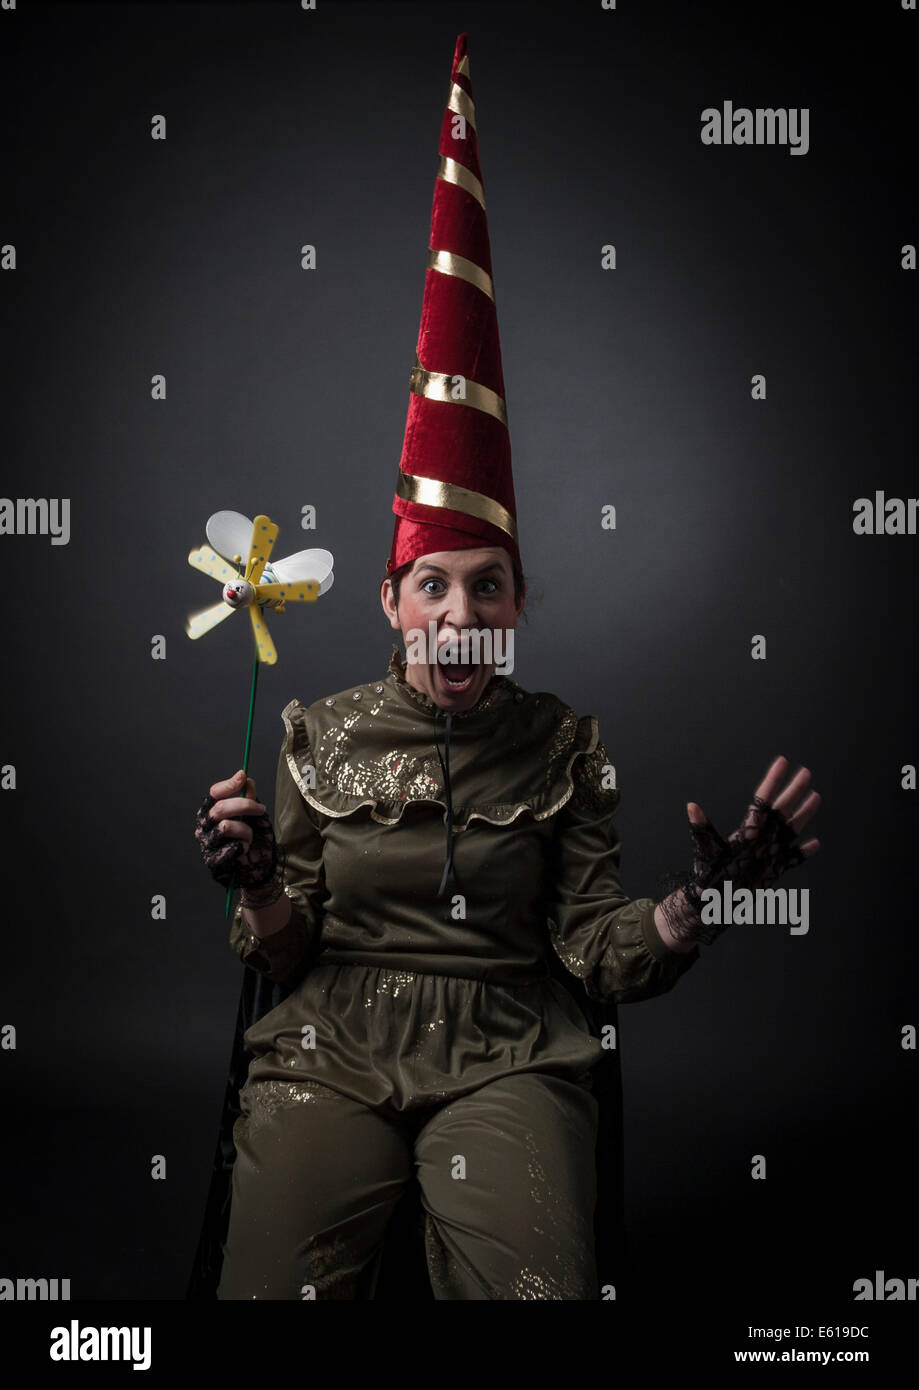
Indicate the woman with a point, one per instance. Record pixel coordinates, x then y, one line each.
437 833
439 1037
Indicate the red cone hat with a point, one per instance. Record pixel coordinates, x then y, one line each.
455 489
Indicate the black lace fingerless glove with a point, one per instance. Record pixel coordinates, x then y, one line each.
758 852
258 873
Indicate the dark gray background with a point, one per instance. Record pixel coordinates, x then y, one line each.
633 388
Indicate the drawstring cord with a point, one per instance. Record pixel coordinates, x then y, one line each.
449 874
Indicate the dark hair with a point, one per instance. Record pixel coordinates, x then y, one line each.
398 575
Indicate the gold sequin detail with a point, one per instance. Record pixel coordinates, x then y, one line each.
394 776
569 958
560 744
589 793
334 1262
530 1285
566 1278
270 1096
390 982
446 1278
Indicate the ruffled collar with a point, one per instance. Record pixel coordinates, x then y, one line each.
371 746
499 688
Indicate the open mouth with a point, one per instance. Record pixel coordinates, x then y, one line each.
455 677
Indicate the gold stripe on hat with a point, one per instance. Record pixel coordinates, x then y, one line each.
461 102
438 386
451 171
448 263
463 65
431 492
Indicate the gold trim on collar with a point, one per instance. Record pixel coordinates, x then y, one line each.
431 492
438 386
451 171
461 102
449 263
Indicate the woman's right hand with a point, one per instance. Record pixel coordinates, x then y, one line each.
235 835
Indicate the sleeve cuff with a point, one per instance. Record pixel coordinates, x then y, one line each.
655 942
276 955
278 943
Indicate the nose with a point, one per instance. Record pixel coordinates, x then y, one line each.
460 608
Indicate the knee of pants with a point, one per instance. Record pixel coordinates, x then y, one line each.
509 1181
314 1183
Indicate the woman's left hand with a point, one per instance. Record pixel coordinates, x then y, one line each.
754 856
762 847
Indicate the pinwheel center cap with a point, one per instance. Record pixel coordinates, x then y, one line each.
238 593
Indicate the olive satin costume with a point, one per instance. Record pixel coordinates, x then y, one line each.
383 991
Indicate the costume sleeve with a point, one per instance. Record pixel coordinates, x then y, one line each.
286 954
601 935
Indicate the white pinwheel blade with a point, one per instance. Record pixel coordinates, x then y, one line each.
306 564
229 533
197 624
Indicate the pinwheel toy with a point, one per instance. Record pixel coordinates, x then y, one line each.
256 585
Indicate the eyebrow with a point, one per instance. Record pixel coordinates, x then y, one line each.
483 569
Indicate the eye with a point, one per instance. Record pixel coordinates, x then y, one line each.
491 586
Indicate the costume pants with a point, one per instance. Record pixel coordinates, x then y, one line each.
507 1176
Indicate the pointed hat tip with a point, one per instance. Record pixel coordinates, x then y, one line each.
461 51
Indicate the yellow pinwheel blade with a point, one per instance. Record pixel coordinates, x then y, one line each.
306 589
264 535
209 562
197 624
263 643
